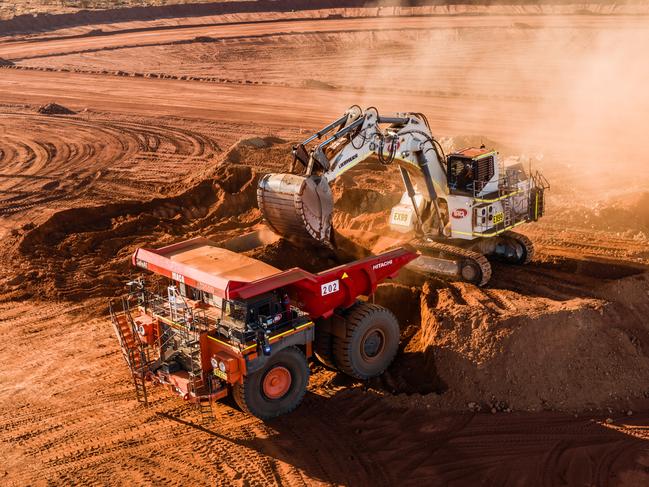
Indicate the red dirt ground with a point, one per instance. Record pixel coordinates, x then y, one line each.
538 379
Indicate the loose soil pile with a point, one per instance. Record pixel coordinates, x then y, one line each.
502 349
54 109
627 214
85 252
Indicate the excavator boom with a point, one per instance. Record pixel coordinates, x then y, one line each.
299 205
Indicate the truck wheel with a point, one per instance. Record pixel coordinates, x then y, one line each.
276 389
324 348
371 341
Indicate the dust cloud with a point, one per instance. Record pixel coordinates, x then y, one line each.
570 90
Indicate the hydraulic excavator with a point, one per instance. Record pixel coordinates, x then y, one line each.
456 210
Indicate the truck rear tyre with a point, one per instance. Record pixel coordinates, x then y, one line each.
324 348
370 343
276 389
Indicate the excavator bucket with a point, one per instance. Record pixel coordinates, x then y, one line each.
296 207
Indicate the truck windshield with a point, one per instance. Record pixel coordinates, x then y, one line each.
234 310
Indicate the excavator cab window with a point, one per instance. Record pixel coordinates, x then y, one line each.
460 174
469 176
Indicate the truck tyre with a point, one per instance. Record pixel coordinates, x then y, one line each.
277 388
371 341
324 348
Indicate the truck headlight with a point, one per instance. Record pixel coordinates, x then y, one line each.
222 366
214 362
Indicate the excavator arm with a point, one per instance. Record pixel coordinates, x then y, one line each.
299 205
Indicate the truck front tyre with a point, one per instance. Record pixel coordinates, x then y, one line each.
276 389
371 341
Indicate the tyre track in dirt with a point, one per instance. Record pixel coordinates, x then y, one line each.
88 429
471 449
46 159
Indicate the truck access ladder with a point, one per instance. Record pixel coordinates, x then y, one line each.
132 349
200 387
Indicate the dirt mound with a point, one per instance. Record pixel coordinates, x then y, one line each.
499 348
54 109
628 214
321 85
265 154
85 252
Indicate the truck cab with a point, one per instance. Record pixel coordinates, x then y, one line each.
241 320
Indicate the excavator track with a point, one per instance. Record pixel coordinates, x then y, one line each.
525 242
463 254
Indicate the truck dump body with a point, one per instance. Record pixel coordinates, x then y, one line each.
201 264
221 262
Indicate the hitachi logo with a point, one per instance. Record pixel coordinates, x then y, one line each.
382 264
